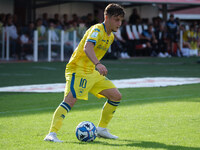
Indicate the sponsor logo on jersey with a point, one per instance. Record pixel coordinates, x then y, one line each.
94 34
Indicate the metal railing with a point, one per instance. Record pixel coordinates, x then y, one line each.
5 44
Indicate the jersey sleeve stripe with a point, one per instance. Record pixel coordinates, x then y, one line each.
93 41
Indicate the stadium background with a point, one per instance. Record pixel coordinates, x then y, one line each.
159 118
25 14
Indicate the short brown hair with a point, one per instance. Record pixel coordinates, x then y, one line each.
114 10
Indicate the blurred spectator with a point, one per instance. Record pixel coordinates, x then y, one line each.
26 44
81 31
75 19
41 30
17 22
3 17
65 20
192 37
89 20
45 21
149 38
11 28
31 28
57 22
177 21
156 24
12 31
172 31
190 42
119 46
161 37
2 20
186 44
56 17
198 39
54 32
157 21
26 41
134 17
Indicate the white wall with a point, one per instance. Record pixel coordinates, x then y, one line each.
7 6
81 9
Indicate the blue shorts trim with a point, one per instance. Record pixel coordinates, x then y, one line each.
72 85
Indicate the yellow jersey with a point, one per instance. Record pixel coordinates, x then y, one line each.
185 36
79 61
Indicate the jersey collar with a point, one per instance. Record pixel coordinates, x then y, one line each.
104 26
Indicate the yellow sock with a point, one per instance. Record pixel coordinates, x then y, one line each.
59 116
107 113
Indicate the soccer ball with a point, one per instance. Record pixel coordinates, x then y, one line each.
86 131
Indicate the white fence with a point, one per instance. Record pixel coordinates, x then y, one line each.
5 45
48 43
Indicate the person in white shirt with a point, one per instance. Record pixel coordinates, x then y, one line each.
11 31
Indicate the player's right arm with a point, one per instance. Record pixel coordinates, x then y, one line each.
89 50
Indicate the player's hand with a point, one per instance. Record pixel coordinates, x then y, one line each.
102 69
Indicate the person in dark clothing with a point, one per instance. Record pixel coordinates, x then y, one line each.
172 32
161 37
149 38
134 17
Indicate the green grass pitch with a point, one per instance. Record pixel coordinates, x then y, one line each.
162 118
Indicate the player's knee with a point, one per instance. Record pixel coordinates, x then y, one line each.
117 97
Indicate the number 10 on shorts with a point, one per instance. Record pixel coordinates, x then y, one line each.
83 83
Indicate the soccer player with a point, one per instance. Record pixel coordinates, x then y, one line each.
82 77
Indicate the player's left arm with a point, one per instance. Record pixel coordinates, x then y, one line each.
89 50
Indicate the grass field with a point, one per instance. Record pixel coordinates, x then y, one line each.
166 118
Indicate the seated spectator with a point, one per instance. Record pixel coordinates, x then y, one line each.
42 35
11 29
134 46
31 28
156 23
149 38
186 44
26 44
54 32
119 46
192 37
81 29
161 37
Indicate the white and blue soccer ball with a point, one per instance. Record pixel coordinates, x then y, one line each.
86 131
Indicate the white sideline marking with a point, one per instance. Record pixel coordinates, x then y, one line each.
81 105
122 83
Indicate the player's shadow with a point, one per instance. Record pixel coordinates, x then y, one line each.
142 144
157 145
